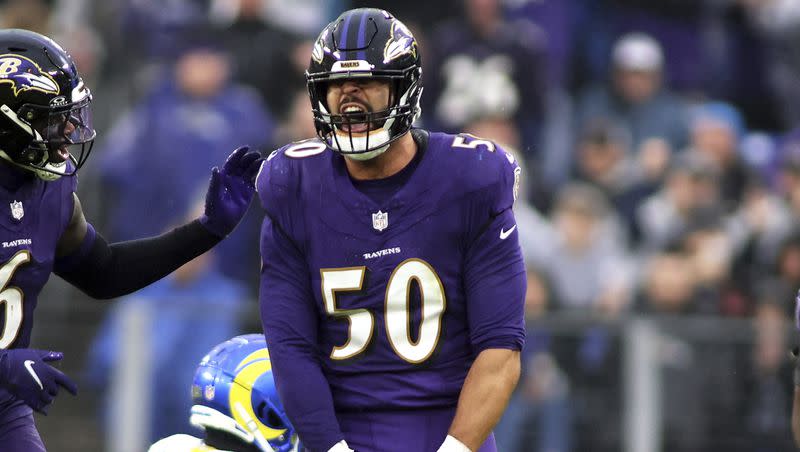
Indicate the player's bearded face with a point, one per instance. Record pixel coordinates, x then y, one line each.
356 100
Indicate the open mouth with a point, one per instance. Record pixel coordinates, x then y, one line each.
355 118
59 155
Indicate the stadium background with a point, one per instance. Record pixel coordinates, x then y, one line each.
658 220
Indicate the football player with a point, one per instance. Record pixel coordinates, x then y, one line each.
392 282
236 404
45 116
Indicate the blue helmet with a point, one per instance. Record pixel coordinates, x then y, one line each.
234 391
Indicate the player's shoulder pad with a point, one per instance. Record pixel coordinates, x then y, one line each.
478 164
284 168
180 443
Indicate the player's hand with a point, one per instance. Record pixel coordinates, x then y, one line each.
230 191
25 373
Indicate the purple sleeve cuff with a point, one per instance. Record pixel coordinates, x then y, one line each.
66 263
514 342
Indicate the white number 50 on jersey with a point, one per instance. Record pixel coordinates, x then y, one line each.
396 305
11 298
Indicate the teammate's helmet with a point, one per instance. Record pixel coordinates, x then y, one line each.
234 392
365 42
44 106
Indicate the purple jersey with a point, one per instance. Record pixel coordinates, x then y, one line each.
17 430
32 218
393 301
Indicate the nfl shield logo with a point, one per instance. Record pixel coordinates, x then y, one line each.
380 220
17 212
209 392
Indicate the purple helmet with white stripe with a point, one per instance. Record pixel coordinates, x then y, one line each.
365 42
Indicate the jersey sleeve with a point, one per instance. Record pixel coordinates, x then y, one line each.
276 184
290 321
494 271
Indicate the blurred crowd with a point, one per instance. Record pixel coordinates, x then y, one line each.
661 142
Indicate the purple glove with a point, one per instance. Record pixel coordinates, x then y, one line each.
230 191
24 372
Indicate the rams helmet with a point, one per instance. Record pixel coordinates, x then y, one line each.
234 392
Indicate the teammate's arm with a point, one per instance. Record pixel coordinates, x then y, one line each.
290 323
105 270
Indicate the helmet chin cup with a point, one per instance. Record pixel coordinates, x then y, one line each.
364 156
360 147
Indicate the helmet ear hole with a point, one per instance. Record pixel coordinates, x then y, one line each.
269 416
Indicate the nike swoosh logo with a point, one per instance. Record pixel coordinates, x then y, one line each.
504 234
29 366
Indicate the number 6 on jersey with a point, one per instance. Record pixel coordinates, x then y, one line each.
11 299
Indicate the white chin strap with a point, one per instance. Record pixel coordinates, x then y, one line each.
354 147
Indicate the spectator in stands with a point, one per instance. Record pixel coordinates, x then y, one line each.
585 259
668 284
691 273
636 97
778 22
716 128
691 182
191 118
757 229
604 161
787 180
482 65
263 55
709 251
788 260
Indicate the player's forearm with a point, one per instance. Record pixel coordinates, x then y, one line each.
111 270
487 389
306 396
